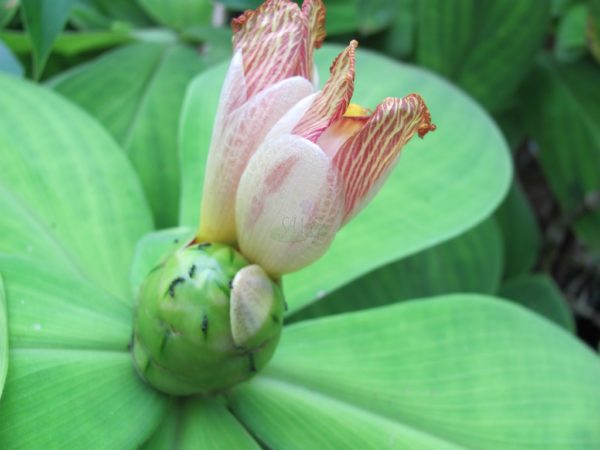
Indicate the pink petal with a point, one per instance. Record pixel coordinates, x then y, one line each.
366 159
333 100
236 136
289 205
274 41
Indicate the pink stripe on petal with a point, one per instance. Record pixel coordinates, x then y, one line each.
288 205
333 100
273 40
365 160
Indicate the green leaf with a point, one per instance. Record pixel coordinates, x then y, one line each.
52 309
483 46
563 114
471 262
178 14
200 423
520 232
136 92
375 15
71 383
44 21
400 39
69 43
3 338
58 398
443 185
68 196
570 34
539 293
8 8
460 371
8 62
342 16
153 248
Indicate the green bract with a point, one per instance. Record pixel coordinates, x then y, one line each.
205 321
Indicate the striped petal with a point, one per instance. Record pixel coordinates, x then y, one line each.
236 136
289 205
274 41
365 160
332 102
314 12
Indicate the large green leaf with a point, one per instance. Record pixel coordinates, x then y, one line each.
471 262
442 186
71 383
178 13
564 113
520 233
461 371
44 21
58 398
483 46
540 294
198 423
50 308
3 338
68 196
136 93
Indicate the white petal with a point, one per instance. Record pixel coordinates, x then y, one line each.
287 123
235 138
289 205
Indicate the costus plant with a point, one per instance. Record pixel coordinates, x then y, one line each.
206 319
118 335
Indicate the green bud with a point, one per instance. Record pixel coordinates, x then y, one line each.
205 321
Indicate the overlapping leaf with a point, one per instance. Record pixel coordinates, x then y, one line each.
197 423
461 371
68 196
540 294
471 262
483 46
563 113
139 104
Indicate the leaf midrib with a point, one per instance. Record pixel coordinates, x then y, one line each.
143 99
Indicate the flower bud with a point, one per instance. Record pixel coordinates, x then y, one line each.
205 321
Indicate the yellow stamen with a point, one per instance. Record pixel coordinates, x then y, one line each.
355 110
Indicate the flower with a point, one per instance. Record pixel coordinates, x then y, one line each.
288 166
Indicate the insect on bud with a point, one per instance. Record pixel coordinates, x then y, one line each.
205 321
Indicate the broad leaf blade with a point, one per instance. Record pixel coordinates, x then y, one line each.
483 46
140 104
540 294
471 262
461 371
53 309
520 233
464 163
197 423
564 113
44 21
68 195
76 399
